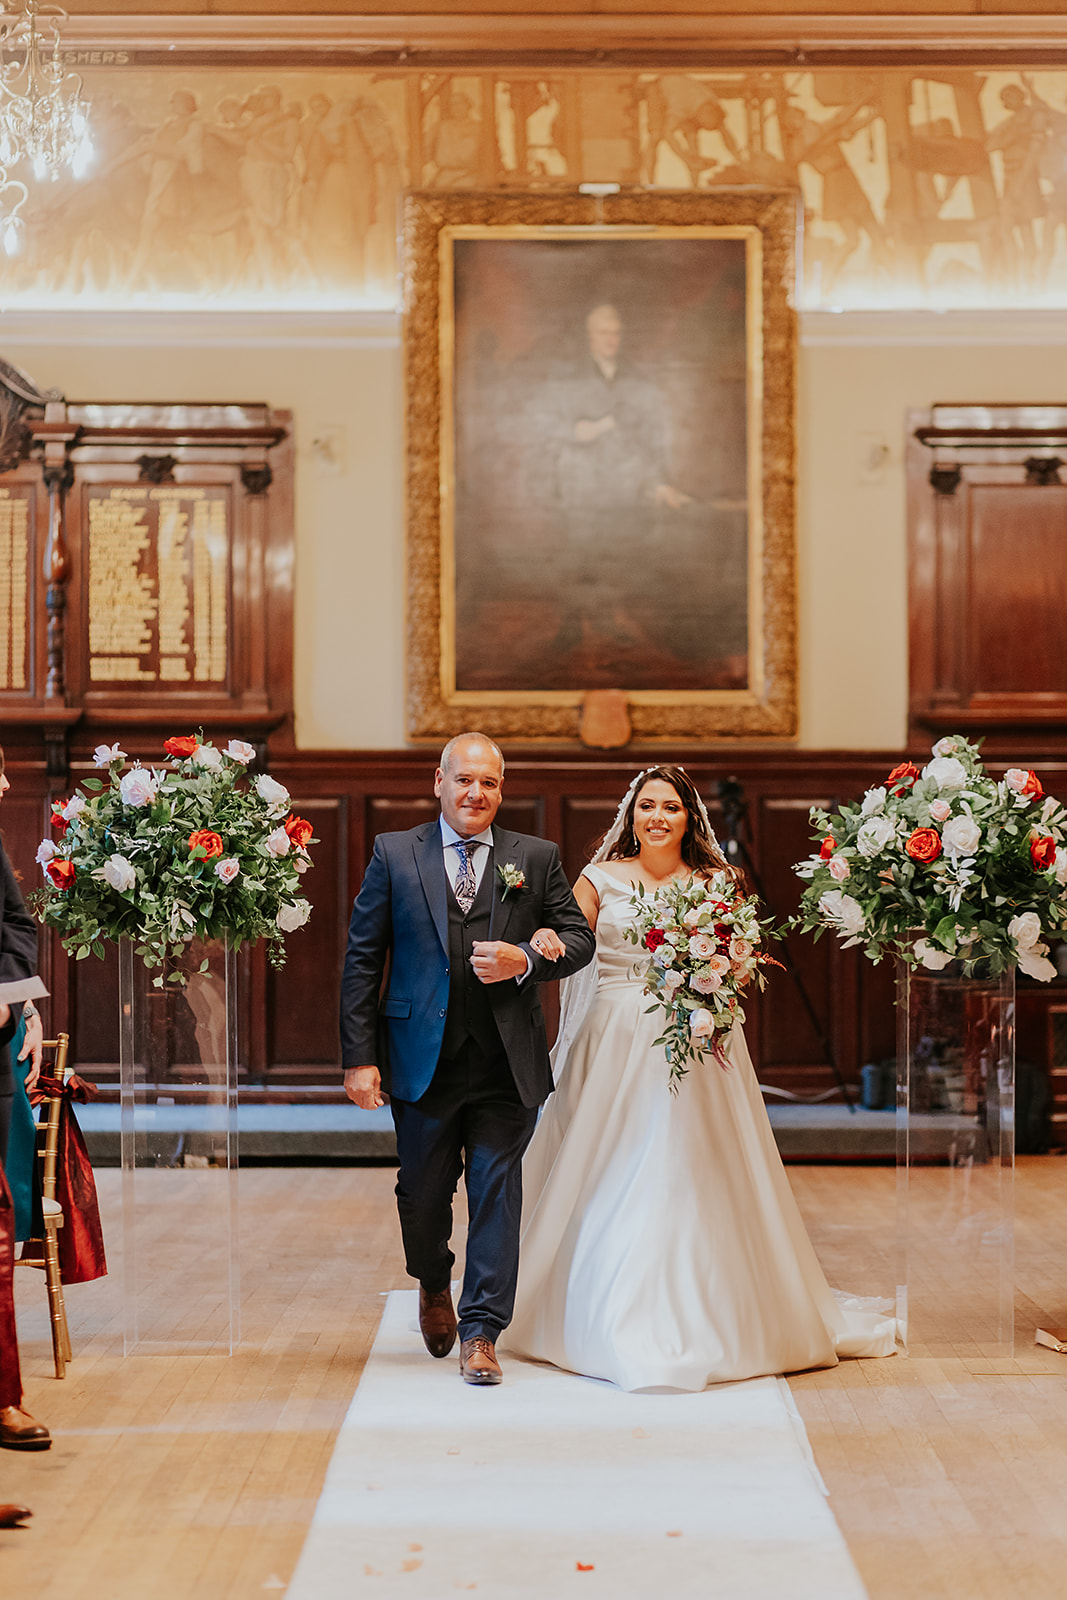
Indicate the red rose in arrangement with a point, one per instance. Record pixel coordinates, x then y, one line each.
299 831
654 938
902 777
59 821
924 845
181 746
1032 787
61 872
210 843
1042 853
827 848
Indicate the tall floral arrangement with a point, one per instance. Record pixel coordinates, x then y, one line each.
943 863
165 855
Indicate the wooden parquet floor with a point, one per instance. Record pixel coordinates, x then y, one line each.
197 1475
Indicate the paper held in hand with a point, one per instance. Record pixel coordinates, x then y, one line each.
1053 1339
12 994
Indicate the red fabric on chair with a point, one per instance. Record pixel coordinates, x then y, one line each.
10 1374
81 1238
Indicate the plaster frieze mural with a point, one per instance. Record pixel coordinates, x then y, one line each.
250 187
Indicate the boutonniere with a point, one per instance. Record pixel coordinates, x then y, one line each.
511 877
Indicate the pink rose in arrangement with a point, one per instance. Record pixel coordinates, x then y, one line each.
839 869
719 965
227 869
939 810
707 982
701 946
740 949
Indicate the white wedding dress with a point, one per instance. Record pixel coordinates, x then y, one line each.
662 1246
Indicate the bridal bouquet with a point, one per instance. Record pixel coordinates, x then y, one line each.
976 867
704 940
166 855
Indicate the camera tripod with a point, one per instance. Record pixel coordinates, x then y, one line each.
734 815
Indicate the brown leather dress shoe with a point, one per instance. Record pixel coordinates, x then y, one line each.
18 1431
11 1516
437 1321
478 1362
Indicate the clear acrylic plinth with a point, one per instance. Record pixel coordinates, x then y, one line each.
956 1163
178 1055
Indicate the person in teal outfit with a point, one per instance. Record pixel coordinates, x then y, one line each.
25 1050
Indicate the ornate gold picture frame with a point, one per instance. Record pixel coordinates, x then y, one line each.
600 402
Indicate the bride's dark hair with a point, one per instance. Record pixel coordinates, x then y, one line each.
700 851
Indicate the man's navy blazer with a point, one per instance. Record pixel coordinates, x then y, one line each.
400 917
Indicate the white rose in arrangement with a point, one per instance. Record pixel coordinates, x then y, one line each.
932 958
940 810
1025 929
105 754
74 807
291 917
844 912
1035 963
301 862
874 836
1061 866
278 842
664 956
873 801
701 946
961 836
275 794
1017 778
238 750
119 873
137 788
839 869
945 747
701 1024
206 755
45 851
706 982
227 869
672 980
946 772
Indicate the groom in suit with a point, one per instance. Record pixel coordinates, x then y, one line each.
456 1042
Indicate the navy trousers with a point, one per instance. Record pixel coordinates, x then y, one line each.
470 1120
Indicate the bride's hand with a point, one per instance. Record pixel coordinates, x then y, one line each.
548 944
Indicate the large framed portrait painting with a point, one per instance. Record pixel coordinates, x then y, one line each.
600 396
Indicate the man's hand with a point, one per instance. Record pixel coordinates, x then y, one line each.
494 961
363 1086
32 1047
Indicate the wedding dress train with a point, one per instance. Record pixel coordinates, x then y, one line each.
662 1246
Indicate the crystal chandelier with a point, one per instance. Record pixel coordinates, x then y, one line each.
43 118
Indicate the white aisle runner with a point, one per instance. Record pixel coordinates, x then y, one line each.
552 1485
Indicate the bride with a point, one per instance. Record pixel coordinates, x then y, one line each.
662 1246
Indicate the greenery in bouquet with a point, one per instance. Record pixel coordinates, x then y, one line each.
943 864
704 941
192 850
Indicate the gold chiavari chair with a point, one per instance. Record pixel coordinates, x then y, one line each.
47 1152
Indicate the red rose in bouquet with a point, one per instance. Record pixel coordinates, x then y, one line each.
924 845
1043 853
827 848
207 841
654 938
62 873
181 745
902 778
59 821
299 831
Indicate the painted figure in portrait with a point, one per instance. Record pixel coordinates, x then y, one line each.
601 448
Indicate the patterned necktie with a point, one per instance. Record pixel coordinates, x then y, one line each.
466 884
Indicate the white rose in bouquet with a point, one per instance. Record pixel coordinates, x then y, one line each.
1061 866
137 788
291 917
961 836
933 960
875 835
946 772
207 756
240 750
275 794
701 1024
844 912
119 873
946 747
873 801
277 842
1025 929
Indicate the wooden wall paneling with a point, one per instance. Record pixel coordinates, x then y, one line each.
303 997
